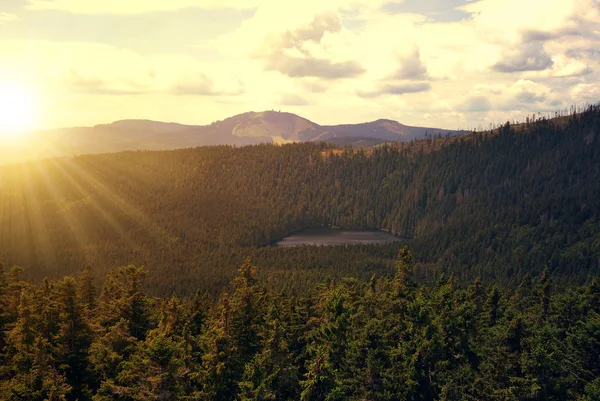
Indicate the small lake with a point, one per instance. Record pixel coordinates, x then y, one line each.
337 236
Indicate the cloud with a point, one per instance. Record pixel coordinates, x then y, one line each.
564 70
134 6
535 35
576 26
313 32
144 6
6 17
408 78
585 20
530 57
189 66
95 69
314 85
528 97
556 103
585 93
201 85
412 67
179 31
583 53
99 86
438 10
495 89
313 67
507 18
396 89
291 55
291 99
477 104
566 67
511 101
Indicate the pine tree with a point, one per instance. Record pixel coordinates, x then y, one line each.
86 292
271 374
492 304
232 340
32 371
122 298
404 267
109 355
73 340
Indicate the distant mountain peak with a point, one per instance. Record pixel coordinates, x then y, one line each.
139 123
385 120
270 126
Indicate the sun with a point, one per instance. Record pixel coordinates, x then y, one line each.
17 110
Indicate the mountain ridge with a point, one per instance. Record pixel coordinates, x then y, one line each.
249 128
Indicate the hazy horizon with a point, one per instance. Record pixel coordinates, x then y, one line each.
451 64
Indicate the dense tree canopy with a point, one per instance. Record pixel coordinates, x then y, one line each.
497 299
496 205
383 339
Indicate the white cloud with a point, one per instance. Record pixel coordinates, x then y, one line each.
395 89
314 53
412 67
199 84
525 91
134 6
5 17
567 67
586 93
504 20
292 99
145 6
494 89
530 56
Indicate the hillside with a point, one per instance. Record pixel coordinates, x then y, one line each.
383 339
243 129
494 205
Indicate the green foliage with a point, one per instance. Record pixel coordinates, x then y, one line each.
494 205
383 339
477 309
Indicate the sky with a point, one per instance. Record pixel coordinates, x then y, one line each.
438 63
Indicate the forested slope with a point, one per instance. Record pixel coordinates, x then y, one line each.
388 339
494 205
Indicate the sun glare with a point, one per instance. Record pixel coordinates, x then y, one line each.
17 110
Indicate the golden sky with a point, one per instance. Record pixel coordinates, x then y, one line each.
443 63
